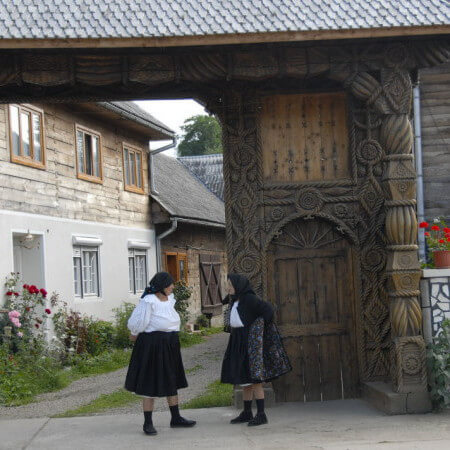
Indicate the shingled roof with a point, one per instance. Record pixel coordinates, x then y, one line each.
208 169
131 111
103 19
183 195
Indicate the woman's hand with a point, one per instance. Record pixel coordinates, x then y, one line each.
133 338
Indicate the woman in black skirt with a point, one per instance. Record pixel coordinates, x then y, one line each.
246 307
156 368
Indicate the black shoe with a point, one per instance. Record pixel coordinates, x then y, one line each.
244 416
181 422
259 419
149 429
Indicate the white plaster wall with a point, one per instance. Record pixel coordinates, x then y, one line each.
58 252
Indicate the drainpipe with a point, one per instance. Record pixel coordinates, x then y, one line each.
159 238
419 167
150 162
153 191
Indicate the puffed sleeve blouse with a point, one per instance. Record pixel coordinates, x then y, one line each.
152 314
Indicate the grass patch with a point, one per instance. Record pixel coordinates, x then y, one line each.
104 402
211 330
194 369
188 339
217 394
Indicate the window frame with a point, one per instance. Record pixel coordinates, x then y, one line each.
81 249
179 257
131 187
27 160
137 252
85 176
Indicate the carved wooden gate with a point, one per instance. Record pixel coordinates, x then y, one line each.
311 280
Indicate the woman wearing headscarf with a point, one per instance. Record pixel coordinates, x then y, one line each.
246 310
156 368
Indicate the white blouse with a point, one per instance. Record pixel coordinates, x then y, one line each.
235 320
151 314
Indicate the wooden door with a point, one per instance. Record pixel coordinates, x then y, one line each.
211 292
312 283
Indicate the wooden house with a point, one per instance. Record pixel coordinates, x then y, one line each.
315 100
192 220
74 200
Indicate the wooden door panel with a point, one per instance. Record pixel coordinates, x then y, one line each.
314 292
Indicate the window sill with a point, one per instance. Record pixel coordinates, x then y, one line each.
88 299
28 162
135 190
83 177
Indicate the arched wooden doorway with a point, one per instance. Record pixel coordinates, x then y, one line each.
312 281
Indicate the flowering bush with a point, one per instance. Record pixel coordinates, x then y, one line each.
26 310
437 235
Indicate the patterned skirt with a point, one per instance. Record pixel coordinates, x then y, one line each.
235 366
156 368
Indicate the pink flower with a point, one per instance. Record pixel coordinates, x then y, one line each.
14 314
16 322
48 311
20 334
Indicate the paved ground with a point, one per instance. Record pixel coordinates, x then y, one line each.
336 425
205 357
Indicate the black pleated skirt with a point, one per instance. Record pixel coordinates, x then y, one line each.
235 366
156 368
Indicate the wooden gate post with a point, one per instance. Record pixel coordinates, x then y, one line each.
408 365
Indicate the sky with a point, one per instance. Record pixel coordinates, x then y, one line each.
172 113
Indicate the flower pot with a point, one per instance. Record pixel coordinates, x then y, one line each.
441 259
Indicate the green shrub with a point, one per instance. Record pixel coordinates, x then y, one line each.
182 293
122 333
202 321
100 336
439 368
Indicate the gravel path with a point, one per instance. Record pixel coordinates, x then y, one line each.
204 359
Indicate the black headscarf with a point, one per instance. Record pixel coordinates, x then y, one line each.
158 283
241 285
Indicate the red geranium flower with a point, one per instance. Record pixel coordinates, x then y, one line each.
441 241
16 294
48 311
435 228
423 225
25 286
9 293
448 239
36 325
426 233
27 308
43 292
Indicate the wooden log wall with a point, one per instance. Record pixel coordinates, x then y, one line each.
435 118
56 191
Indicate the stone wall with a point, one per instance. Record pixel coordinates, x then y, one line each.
435 292
194 241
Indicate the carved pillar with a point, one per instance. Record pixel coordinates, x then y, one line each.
243 184
408 365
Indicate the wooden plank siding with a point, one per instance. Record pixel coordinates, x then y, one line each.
435 119
56 191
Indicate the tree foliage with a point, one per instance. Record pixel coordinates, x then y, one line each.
202 136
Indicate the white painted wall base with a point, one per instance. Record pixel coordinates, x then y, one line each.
57 252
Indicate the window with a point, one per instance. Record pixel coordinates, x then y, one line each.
133 169
85 271
26 136
176 265
137 269
89 156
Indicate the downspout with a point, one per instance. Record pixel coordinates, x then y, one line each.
150 162
159 238
153 191
419 167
